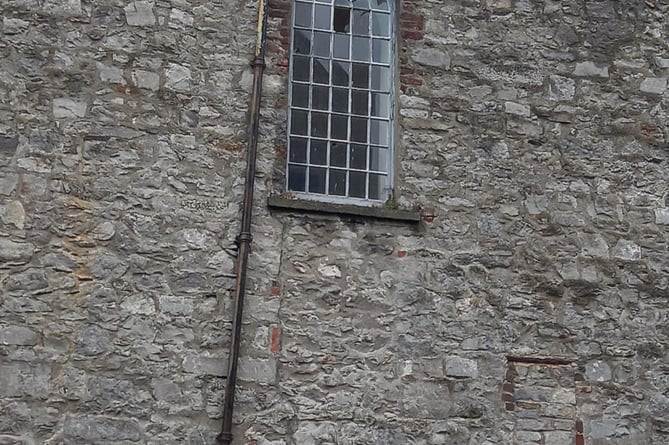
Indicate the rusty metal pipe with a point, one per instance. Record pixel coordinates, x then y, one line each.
245 237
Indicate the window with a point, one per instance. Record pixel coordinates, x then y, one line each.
340 95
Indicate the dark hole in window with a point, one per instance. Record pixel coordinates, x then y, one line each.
342 19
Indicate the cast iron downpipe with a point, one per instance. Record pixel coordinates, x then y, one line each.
244 239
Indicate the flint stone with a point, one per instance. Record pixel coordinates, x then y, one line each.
590 69
8 144
140 13
101 428
18 336
64 108
459 367
92 340
653 85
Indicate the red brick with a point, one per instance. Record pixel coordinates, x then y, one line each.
276 337
507 387
506 397
579 426
580 440
509 406
401 253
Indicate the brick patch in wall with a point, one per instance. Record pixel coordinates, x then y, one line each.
541 394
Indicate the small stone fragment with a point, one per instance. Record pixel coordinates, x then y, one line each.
13 213
8 144
92 340
517 109
460 367
64 108
177 77
561 88
146 80
626 250
590 69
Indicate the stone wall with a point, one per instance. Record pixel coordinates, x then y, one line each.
529 305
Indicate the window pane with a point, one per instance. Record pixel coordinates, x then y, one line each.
377 186
297 176
338 154
317 180
378 159
322 44
381 51
321 71
361 75
302 14
301 69
300 95
341 21
361 48
337 182
381 78
360 22
298 122
322 17
359 157
357 184
358 129
345 3
340 100
359 102
298 150
302 44
379 132
341 73
380 104
364 4
320 98
381 24
341 46
319 125
318 154
380 4
339 127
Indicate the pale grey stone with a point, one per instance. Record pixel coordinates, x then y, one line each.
257 370
488 224
20 379
18 335
13 26
459 367
662 62
598 371
662 216
594 246
166 390
176 305
16 252
13 213
178 77
568 219
63 6
601 429
653 85
68 108
104 231
95 428
431 57
146 79
29 280
561 88
205 365
626 250
558 437
536 204
180 19
517 109
140 13
110 74
591 69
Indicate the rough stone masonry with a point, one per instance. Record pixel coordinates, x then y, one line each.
528 307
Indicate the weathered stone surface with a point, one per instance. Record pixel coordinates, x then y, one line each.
530 137
101 428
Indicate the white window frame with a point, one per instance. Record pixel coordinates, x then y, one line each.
388 172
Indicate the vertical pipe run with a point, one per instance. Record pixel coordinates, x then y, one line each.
244 238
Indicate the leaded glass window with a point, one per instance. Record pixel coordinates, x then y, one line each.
341 76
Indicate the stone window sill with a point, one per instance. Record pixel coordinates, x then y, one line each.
383 213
